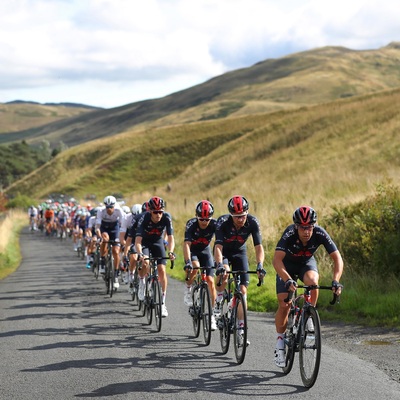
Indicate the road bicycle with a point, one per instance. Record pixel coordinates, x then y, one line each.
109 275
80 249
201 309
303 336
152 303
233 308
96 260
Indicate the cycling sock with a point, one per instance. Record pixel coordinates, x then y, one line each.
220 296
164 295
280 341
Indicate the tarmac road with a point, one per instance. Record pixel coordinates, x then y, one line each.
62 337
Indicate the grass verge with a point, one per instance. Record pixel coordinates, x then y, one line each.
10 255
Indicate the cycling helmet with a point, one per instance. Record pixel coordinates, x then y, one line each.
204 209
305 215
238 205
109 201
136 209
93 212
126 209
145 206
156 204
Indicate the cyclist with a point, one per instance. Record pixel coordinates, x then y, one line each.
231 234
197 252
128 231
294 259
49 220
33 215
150 239
108 220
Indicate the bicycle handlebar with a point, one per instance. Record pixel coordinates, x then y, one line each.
160 258
194 268
336 298
260 280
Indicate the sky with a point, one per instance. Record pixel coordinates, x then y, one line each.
108 53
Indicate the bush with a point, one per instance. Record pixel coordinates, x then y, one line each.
368 233
20 201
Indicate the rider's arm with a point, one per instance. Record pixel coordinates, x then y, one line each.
186 251
259 249
337 267
138 245
277 262
171 244
218 254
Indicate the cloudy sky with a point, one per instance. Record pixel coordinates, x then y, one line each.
109 53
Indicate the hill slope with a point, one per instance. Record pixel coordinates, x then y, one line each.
20 115
322 155
305 78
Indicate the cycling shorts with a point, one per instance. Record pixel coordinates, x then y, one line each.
296 271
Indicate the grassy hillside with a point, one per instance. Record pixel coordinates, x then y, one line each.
322 155
18 116
301 79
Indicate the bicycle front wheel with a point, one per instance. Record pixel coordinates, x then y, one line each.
310 348
206 312
149 301
196 310
111 276
224 325
290 344
239 317
157 304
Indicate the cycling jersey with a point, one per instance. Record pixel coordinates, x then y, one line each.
234 240
199 238
152 232
296 251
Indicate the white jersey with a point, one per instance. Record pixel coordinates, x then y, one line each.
102 215
127 222
91 222
32 212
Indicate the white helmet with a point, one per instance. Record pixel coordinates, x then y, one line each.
136 209
126 209
109 201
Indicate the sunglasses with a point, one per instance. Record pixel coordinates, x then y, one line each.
157 212
109 206
239 216
305 227
204 219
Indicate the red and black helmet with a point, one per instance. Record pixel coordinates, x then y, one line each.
145 206
238 205
156 204
305 215
204 209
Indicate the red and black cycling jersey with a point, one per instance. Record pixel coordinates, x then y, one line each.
199 238
234 240
153 231
295 251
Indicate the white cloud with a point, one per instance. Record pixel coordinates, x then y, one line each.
65 50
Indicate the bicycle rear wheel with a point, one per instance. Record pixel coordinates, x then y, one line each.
206 312
157 304
290 344
310 348
196 310
135 288
224 325
239 332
